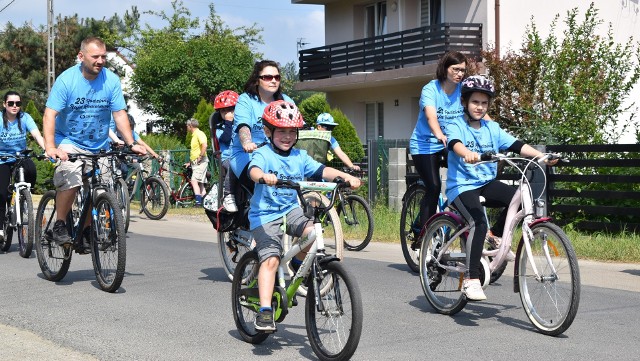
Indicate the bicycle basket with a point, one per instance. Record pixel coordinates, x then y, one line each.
316 142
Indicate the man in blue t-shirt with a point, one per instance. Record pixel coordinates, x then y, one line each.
76 120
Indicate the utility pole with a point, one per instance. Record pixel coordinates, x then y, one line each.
51 65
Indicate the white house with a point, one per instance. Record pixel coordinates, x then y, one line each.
120 64
379 54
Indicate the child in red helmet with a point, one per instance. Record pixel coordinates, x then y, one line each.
279 160
221 127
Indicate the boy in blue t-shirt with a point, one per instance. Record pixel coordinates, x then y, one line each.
279 160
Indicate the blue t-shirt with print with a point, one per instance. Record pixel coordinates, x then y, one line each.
461 176
13 139
248 112
448 109
85 107
270 203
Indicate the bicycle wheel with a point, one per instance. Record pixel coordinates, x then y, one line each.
441 286
333 318
233 245
5 242
357 222
245 299
54 261
26 229
108 242
155 198
409 229
186 196
122 195
551 300
331 226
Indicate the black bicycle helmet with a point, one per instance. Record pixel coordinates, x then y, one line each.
478 83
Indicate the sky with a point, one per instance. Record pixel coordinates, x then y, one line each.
283 23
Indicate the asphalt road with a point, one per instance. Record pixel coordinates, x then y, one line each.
174 304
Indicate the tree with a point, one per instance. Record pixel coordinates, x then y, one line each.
568 90
174 70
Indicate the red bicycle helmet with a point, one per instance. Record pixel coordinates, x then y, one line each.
282 114
225 99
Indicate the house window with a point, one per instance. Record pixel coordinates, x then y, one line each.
375 19
375 120
430 12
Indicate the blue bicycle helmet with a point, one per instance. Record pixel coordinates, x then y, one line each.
326 119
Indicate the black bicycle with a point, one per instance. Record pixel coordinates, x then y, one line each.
105 238
19 213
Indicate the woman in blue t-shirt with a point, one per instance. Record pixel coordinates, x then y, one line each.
13 139
262 88
468 138
439 105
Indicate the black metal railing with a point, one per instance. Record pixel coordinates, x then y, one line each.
402 49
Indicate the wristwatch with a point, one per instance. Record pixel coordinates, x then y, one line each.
132 144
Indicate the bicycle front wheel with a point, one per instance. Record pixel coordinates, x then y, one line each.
357 222
54 261
409 227
233 245
550 298
108 242
334 317
26 228
442 286
155 198
122 195
186 197
245 299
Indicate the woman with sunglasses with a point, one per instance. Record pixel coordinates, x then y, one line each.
13 139
262 88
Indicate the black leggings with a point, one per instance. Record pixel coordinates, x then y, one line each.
428 167
496 195
5 179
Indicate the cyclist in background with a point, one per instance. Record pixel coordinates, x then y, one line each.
76 120
269 206
221 129
325 122
468 138
13 139
199 160
439 105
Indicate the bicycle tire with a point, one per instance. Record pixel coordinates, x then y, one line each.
154 199
442 287
409 232
357 222
121 192
26 230
108 242
232 250
245 299
334 326
53 260
186 196
552 304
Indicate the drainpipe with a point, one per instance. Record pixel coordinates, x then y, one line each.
497 23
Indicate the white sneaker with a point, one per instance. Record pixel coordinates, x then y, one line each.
1 234
229 203
472 289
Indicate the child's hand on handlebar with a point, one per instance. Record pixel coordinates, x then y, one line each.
269 179
353 181
471 157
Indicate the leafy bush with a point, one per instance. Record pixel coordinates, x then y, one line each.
313 106
163 141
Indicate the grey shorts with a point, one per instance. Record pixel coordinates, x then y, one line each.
68 174
268 236
200 171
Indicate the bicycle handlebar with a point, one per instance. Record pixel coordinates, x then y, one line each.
26 153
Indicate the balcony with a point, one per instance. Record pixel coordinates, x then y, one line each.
403 49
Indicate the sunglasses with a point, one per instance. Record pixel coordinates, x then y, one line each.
12 103
269 77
